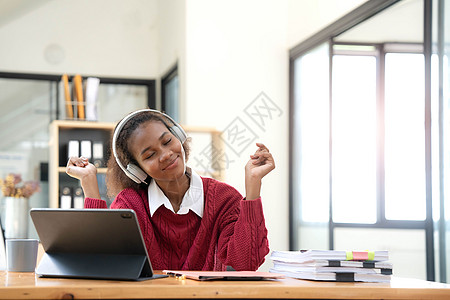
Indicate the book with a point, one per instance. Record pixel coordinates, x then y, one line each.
308 255
78 86
335 276
68 100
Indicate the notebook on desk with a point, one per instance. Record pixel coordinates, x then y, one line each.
229 275
91 243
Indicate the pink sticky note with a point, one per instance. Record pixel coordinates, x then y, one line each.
360 255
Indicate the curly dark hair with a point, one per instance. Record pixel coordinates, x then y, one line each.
116 179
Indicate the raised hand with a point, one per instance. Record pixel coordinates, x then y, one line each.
81 169
259 165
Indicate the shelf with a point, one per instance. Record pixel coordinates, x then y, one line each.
70 124
99 170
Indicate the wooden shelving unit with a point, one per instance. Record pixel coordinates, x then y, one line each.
217 170
60 133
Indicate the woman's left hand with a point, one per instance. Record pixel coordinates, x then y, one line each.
260 163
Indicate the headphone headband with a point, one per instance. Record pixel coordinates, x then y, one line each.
132 171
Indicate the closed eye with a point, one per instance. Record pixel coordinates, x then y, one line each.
150 156
166 143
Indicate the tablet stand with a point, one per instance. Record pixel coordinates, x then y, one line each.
95 266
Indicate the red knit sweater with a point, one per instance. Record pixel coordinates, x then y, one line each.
232 231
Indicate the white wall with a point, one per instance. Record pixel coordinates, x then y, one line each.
234 51
103 38
172 42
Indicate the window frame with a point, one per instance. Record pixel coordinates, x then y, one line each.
363 12
171 73
380 54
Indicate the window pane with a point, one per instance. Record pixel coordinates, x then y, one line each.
27 107
117 100
354 139
171 97
405 137
311 135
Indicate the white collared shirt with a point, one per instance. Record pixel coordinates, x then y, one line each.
192 200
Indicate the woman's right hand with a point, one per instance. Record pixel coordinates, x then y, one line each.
80 168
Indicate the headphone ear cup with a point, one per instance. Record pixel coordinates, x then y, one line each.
136 173
179 133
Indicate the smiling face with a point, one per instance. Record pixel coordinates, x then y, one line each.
157 151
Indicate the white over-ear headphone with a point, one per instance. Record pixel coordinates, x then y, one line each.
134 172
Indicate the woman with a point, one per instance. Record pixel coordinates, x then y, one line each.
188 222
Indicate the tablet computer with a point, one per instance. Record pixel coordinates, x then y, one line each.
91 243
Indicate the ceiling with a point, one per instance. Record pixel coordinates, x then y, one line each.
402 22
13 9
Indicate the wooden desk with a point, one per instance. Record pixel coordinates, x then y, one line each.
29 286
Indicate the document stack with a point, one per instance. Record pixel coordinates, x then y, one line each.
333 265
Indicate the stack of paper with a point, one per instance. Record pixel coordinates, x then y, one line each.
333 265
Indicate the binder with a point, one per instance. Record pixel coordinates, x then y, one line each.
73 149
69 107
78 85
66 198
97 154
92 85
78 198
86 149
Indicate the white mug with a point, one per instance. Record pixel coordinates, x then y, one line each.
21 255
